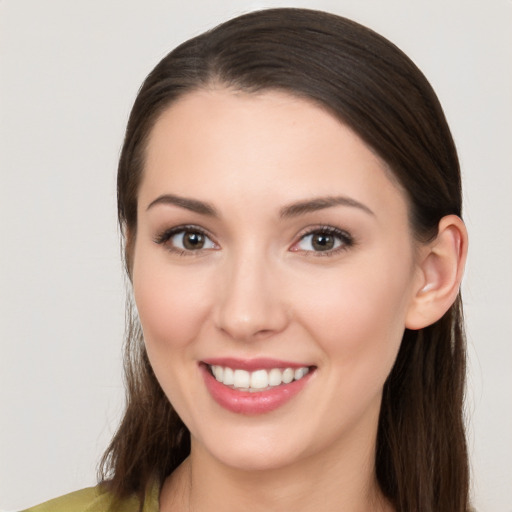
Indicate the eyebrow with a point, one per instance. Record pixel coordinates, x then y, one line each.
291 210
193 205
320 203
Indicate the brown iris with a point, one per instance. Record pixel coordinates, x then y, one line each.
322 241
192 240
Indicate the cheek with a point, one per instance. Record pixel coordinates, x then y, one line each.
171 303
358 318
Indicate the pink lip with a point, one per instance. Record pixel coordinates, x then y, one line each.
260 402
252 365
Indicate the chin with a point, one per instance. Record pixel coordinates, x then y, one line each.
256 459
253 450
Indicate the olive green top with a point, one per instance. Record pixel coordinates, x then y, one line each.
96 499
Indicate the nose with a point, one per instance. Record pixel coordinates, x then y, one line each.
251 301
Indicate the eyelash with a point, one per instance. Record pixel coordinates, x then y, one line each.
346 239
164 237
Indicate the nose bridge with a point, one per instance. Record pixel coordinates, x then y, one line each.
250 303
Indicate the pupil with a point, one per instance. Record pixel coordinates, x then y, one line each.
323 242
193 241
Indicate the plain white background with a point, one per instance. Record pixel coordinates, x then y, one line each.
69 71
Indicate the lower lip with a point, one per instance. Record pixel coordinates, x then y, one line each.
252 403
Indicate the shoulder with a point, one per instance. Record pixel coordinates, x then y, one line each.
78 501
95 499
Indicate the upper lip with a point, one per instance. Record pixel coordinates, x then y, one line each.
260 363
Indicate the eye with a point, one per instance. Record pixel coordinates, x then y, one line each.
186 239
326 240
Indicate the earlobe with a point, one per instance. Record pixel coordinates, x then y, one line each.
440 274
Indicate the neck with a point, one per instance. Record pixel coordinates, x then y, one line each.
330 482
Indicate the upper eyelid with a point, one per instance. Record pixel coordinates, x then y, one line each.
326 229
346 238
166 234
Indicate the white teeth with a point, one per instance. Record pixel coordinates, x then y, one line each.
288 375
229 378
259 379
218 372
242 379
275 377
300 372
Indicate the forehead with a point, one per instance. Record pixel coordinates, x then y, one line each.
241 145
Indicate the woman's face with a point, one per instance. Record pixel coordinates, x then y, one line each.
271 245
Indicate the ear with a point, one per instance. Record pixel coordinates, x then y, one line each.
440 271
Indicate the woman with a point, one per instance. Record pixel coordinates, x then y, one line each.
289 194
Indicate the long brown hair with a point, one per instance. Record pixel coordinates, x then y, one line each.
371 86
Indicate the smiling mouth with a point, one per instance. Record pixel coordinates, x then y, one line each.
258 380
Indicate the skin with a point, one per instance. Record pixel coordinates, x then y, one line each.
259 289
